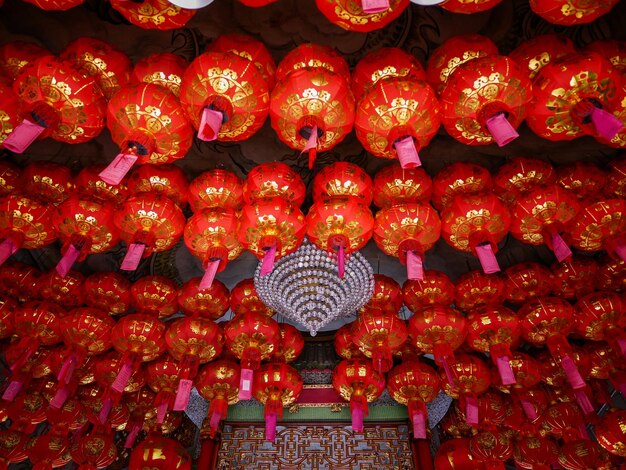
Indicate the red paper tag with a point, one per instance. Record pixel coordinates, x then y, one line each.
571 372
210 124
132 436
529 410
182 395
209 275
22 136
117 169
68 260
560 248
105 410
414 266
7 248
374 6
133 256
583 401
407 153
487 258
59 398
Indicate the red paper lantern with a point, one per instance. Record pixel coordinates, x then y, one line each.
527 281
251 337
378 335
361 16
396 185
397 118
339 224
154 295
148 223
492 448
521 175
564 108
612 49
527 374
435 289
149 125
343 179
109 292
583 454
96 449
244 298
66 291
385 63
47 182
584 180
564 421
467 8
49 450
610 432
107 64
571 12
578 277
89 185
406 231
250 49
535 53
357 381
459 178
154 14
59 102
453 52
160 453
212 236
12 447
168 180
106 370
7 323
344 345
600 317
85 228
10 177
271 229
616 179
311 56
474 116
455 455
211 303
387 296
162 68
274 179
475 224
600 225
216 189
218 383
611 275
276 386
289 346
414 384
15 55
163 376
20 281
9 112
225 97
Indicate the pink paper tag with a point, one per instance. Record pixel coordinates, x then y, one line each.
132 436
123 376
414 266
60 397
311 143
374 6
7 248
448 372
270 427
341 260
560 248
107 405
419 426
607 125
471 410
268 260
215 421
117 169
182 395
210 124
407 153
620 250
487 258
583 401
12 390
65 374
22 136
162 411
505 371
571 372
245 384
529 410
357 419
209 275
621 342
68 260
133 256
501 129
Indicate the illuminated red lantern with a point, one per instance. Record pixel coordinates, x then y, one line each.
527 374
167 179
290 344
271 229
109 292
527 281
73 115
154 14
406 231
476 289
378 335
276 385
15 55
495 330
160 453
473 116
107 64
64 290
343 179
612 49
584 180
387 296
251 337
492 448
521 175
568 13
600 317
311 56
541 216
149 125
438 330
537 52
212 236
96 449
163 376
47 182
9 112
24 223
396 185
396 118
216 189
312 108
435 289
475 224
357 381
583 454
211 303
468 7
148 223
106 370
577 277
454 52
361 16
340 225
89 185
455 455
225 97
49 451
85 228
600 225
563 111
414 384
344 345
564 420
459 178
218 383
162 68
274 179
250 49
244 298
10 177
154 295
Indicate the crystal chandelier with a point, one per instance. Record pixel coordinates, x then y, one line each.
304 286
